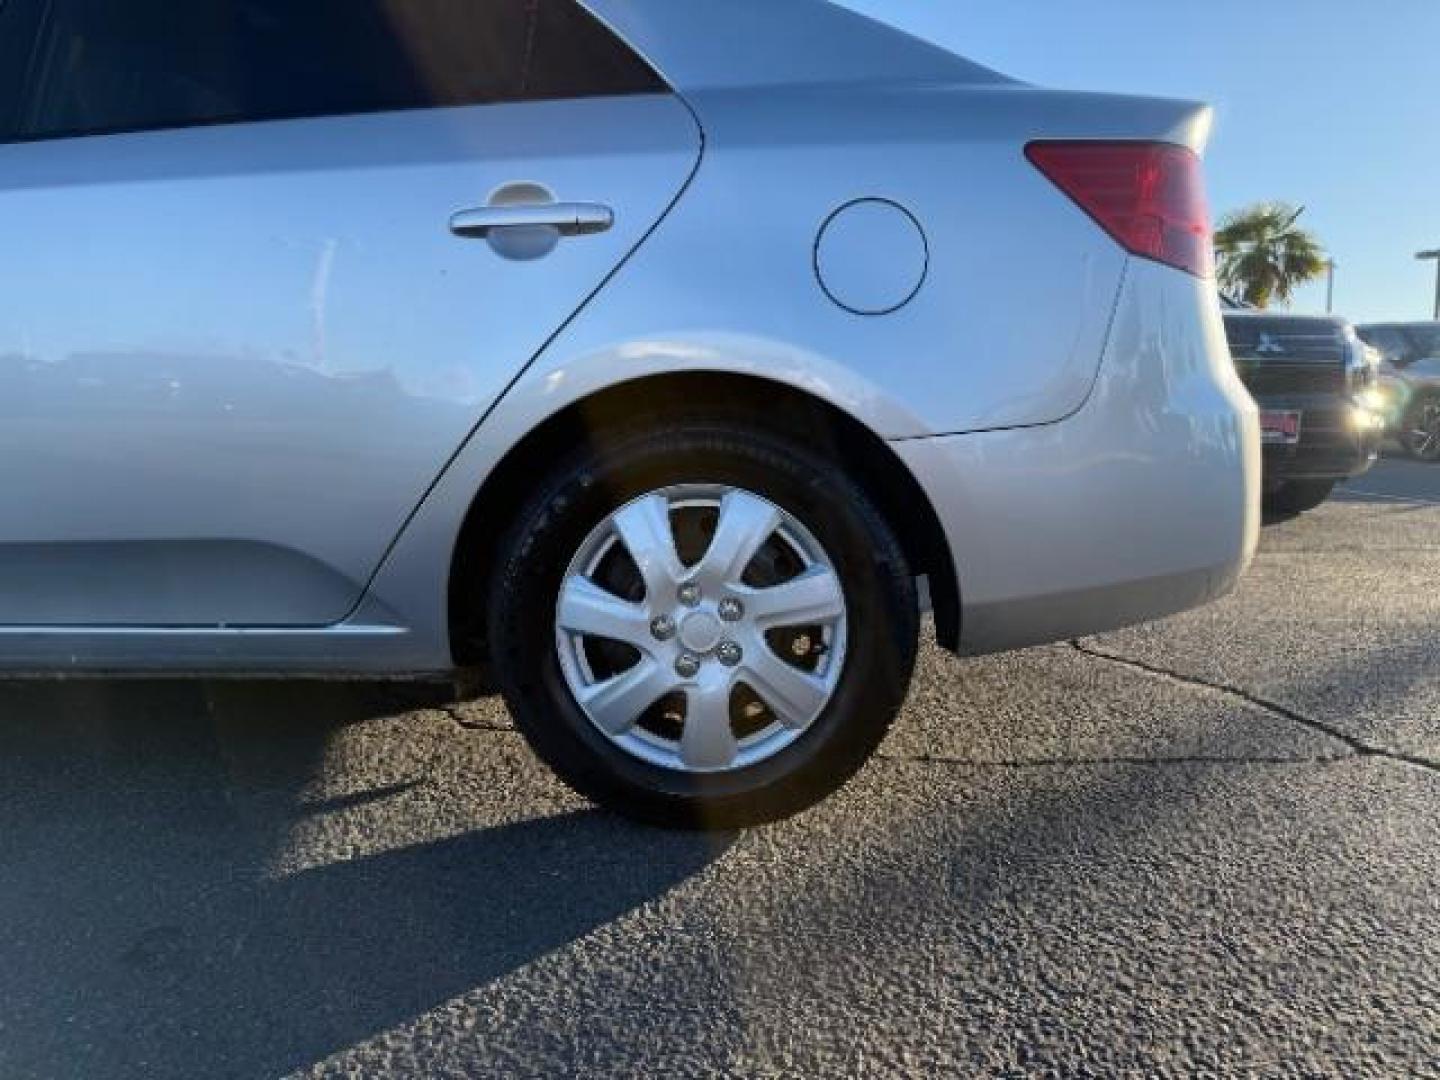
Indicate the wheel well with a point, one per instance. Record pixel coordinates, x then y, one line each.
775 406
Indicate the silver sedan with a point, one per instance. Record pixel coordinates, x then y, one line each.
664 357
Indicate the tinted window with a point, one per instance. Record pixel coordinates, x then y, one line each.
96 66
17 30
573 55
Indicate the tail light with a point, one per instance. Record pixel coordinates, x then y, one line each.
1149 196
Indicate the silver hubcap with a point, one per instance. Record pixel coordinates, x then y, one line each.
701 628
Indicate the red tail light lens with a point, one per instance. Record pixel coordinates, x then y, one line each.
1149 196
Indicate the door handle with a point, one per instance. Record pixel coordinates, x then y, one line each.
568 219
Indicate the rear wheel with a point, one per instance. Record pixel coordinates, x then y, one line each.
705 626
1298 496
1420 430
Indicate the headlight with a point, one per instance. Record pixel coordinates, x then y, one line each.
1364 419
1376 399
1387 400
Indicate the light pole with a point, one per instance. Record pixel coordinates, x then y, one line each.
1435 255
1330 265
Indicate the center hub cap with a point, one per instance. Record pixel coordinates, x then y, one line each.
700 631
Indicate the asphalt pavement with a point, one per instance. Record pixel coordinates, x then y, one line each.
1205 847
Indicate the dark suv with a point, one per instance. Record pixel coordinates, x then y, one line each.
1310 376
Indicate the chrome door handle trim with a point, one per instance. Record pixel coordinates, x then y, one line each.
569 219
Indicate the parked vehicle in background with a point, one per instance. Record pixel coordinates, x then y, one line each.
647 352
1313 380
1409 390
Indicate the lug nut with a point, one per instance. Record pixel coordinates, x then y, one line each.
688 666
689 594
662 627
732 610
729 653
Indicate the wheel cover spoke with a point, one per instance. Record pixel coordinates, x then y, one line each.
794 696
586 608
644 529
708 742
616 704
746 522
812 597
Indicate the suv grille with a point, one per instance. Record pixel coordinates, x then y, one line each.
1279 355
1264 377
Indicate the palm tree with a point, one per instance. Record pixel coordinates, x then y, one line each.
1264 255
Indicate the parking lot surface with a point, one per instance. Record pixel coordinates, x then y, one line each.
1209 846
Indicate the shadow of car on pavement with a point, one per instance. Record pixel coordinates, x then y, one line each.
143 930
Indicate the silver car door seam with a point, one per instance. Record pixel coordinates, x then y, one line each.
524 368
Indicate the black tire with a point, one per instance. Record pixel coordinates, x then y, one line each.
1298 496
882 613
1420 430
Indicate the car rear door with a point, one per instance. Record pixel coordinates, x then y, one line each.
267 263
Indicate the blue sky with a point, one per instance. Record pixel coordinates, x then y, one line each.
1334 104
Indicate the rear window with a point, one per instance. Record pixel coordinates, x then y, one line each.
87 67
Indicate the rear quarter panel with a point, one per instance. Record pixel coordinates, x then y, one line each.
1011 321
1009 324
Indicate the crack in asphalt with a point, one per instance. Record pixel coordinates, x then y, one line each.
1359 747
1052 763
456 715
1355 747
